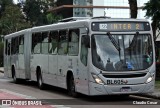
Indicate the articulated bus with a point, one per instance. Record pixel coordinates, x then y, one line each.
92 56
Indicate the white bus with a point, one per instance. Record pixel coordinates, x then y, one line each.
94 56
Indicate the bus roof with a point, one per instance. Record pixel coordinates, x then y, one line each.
80 21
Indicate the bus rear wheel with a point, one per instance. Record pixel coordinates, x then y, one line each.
71 87
15 80
40 80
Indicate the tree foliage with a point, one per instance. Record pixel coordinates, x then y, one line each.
36 12
152 8
12 20
52 18
3 4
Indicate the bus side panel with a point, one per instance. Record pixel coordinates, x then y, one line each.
43 62
21 68
34 62
53 66
62 69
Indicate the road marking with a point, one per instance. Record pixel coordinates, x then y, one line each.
6 94
17 94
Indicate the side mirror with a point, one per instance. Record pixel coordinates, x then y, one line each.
87 41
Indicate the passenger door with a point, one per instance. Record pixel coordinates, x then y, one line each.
82 85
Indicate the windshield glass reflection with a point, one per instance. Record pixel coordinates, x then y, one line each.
121 52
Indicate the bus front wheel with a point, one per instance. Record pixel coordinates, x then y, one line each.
71 87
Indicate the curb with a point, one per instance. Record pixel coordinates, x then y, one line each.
154 96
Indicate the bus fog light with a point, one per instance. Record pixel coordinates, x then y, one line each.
97 79
150 79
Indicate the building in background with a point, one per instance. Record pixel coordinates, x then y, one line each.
79 8
93 8
124 12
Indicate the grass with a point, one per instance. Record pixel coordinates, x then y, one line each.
157 86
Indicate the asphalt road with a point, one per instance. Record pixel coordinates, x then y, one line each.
59 97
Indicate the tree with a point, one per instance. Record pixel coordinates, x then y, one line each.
3 4
152 8
12 20
133 8
52 18
36 12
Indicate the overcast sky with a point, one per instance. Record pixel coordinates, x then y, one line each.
15 1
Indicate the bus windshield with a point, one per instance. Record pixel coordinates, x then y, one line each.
122 52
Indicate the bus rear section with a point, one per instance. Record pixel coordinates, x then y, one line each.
122 58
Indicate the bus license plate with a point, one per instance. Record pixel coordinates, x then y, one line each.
126 89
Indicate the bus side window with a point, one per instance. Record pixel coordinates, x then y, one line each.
36 43
45 43
21 44
84 51
53 42
63 43
14 45
73 47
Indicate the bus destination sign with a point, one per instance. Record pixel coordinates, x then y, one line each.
120 26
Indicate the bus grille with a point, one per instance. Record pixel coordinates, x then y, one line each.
124 75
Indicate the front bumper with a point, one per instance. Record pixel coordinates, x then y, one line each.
100 89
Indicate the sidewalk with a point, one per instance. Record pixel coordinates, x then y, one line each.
155 94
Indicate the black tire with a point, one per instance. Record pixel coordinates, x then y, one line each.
124 96
71 87
40 80
15 80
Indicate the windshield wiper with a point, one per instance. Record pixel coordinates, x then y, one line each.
113 41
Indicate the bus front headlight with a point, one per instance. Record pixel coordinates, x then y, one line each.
97 79
150 78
